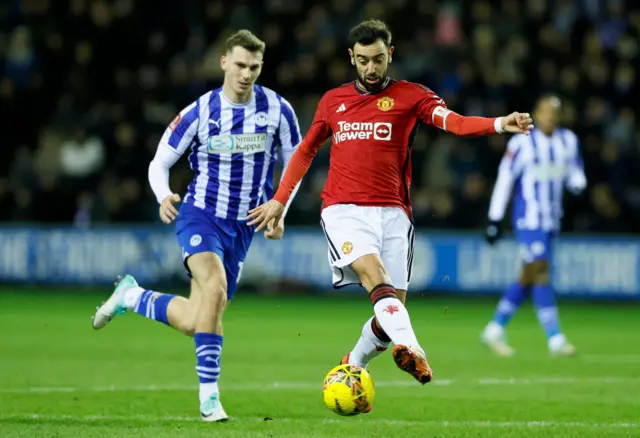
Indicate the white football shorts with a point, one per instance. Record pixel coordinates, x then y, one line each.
353 231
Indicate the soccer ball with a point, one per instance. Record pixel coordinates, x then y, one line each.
348 390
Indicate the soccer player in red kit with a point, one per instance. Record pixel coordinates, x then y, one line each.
366 213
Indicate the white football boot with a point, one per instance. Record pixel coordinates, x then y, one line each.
559 346
212 410
115 305
495 338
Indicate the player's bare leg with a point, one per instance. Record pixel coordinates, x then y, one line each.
182 314
209 275
173 310
392 317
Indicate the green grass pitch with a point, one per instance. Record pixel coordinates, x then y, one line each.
60 378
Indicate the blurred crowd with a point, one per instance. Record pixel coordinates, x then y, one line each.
88 86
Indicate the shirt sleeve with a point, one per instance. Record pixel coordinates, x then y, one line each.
576 180
510 169
289 130
159 167
182 130
432 110
301 160
176 139
289 138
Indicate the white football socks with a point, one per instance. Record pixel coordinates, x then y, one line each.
368 347
207 390
394 320
132 295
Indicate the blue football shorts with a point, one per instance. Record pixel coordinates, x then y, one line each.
534 244
200 231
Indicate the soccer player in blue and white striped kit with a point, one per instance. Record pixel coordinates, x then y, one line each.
539 166
233 134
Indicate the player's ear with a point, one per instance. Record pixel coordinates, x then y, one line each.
223 62
391 50
351 55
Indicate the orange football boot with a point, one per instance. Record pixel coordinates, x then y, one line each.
413 362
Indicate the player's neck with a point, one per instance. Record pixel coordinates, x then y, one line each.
234 97
360 87
548 132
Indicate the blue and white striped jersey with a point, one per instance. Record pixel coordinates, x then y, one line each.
233 149
539 167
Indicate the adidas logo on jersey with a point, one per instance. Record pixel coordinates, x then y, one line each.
341 108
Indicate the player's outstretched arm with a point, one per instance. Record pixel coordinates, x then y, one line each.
274 209
472 126
433 111
289 137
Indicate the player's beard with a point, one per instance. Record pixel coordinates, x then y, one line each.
372 87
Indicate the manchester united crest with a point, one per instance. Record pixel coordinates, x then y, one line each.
347 247
385 103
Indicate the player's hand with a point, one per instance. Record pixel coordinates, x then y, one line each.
517 123
265 213
577 183
168 212
274 232
493 232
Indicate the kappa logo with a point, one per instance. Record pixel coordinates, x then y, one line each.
237 143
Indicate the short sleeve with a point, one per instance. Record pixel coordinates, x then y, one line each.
289 129
183 128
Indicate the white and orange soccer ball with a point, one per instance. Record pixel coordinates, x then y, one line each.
348 390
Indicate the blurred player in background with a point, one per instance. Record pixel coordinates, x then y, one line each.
366 214
540 166
232 134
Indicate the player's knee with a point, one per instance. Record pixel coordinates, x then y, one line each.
527 275
370 271
189 327
209 274
215 293
542 274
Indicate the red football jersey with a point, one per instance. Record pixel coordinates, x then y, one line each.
372 134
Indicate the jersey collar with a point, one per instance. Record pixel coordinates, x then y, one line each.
239 105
